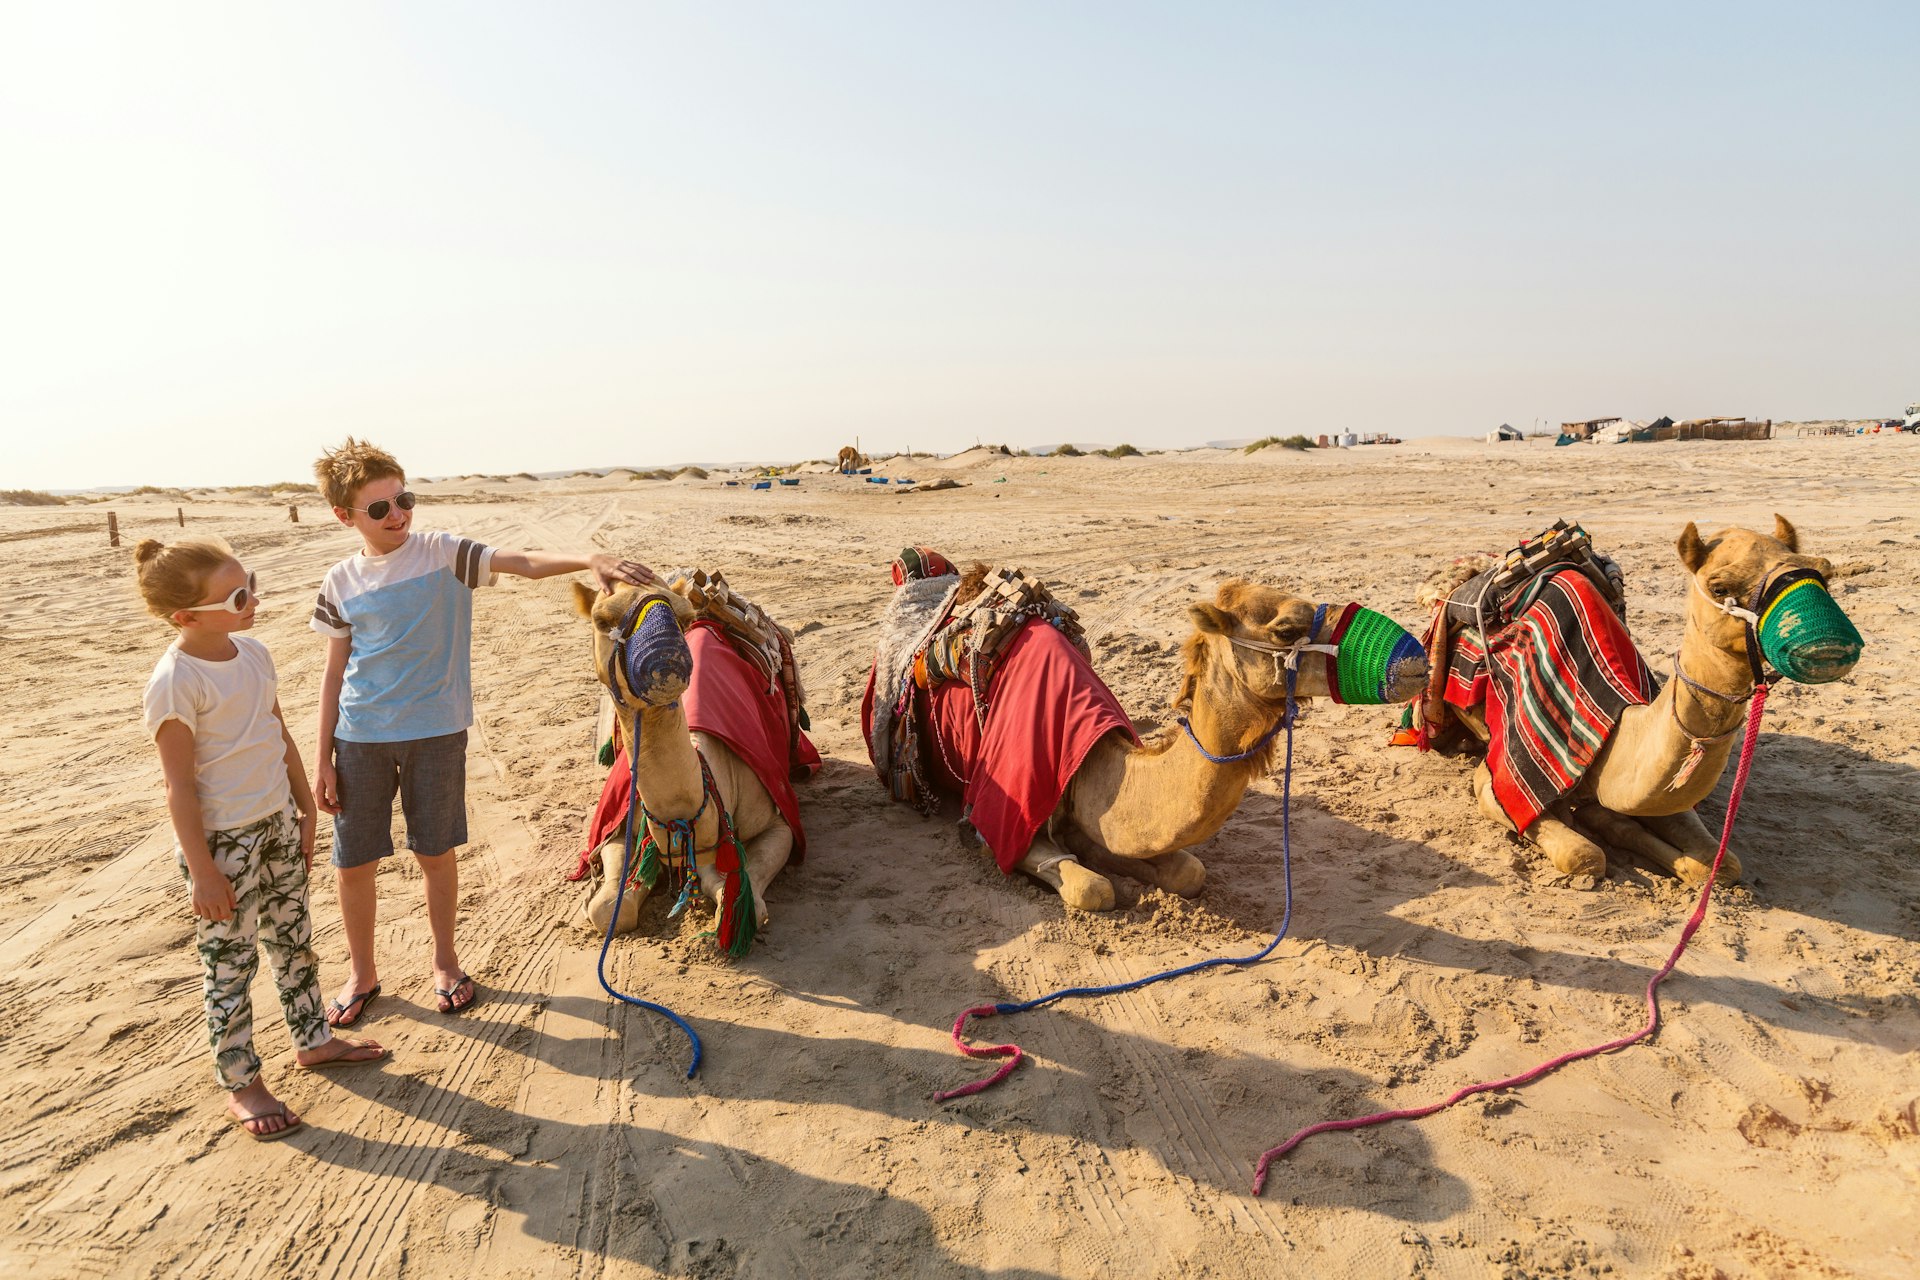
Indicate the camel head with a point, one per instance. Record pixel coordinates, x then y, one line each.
1249 629
638 651
1777 590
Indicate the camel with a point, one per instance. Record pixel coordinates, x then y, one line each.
851 460
1136 808
1628 801
666 766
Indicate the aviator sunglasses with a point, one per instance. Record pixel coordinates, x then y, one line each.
237 600
378 510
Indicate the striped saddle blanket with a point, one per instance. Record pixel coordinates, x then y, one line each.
1554 681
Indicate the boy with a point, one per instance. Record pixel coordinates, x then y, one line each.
397 698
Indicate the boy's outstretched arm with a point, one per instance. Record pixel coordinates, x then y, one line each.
608 571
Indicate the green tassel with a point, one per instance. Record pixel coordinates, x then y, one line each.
742 923
649 861
607 754
804 722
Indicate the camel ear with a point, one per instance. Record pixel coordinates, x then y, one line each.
1208 618
583 598
1693 552
1785 532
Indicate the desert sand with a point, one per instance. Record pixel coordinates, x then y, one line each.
1772 1127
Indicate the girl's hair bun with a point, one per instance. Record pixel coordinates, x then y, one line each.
147 550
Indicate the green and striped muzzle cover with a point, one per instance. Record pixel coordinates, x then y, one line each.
1803 633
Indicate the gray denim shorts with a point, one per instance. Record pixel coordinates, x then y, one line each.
430 777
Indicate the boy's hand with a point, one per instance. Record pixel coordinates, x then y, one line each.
610 571
326 787
212 896
309 821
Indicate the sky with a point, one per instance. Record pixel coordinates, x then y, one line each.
499 237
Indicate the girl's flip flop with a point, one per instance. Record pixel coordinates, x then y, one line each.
447 1005
358 1004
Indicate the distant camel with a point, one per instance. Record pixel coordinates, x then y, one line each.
851 460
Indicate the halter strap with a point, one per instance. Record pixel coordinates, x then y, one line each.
1286 660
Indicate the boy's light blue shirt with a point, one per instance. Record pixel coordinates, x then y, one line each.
409 615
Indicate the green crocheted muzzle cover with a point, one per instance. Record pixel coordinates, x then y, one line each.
1803 633
1373 651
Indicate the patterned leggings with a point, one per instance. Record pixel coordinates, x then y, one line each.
269 877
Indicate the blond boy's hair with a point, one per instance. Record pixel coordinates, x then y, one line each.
175 577
341 472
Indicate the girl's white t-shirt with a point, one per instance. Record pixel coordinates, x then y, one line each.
239 758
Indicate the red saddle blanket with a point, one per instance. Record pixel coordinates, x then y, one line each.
1046 709
727 697
1554 683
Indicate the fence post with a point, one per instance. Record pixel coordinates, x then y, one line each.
293 514
113 529
180 514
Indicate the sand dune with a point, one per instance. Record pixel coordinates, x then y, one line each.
1771 1128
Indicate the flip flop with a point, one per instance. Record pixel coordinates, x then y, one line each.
334 1064
446 997
294 1125
358 1004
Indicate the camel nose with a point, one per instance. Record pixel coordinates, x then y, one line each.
1407 678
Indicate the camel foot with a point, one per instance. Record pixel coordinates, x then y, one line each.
1084 890
1669 843
1697 846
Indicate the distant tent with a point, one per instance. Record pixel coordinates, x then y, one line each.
1503 433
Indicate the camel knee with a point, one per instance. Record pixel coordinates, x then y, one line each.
1084 890
1079 887
1179 872
1570 852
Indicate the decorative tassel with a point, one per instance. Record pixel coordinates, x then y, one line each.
607 754
738 920
1695 754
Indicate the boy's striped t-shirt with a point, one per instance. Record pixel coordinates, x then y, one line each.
409 615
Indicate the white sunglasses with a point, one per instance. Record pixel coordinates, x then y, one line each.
237 600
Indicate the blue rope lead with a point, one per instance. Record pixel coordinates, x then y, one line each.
626 863
1286 920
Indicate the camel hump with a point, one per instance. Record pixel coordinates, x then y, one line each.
1450 576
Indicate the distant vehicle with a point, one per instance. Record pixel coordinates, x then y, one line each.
1913 417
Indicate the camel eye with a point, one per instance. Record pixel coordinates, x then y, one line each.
1286 632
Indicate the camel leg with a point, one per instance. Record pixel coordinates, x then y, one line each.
1475 722
763 856
1177 872
1696 844
599 907
1570 852
1079 888
1623 832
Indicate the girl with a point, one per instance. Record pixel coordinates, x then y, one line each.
234 783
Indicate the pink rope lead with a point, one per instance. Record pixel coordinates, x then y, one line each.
1012 1052
1653 999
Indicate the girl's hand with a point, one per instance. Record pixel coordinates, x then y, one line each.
212 896
610 571
309 820
326 787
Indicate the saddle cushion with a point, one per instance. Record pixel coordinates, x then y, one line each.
729 698
1046 709
1554 682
